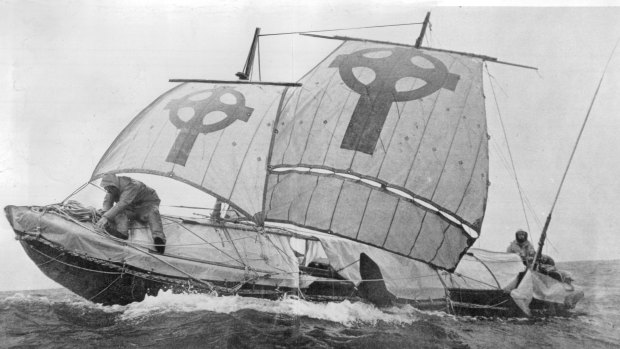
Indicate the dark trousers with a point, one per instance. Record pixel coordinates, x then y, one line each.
148 214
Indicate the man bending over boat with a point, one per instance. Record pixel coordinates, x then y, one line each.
134 200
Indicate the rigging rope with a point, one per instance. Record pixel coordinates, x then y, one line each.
501 120
570 160
74 211
583 127
331 30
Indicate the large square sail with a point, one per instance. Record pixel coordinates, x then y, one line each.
386 145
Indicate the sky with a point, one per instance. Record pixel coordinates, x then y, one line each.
74 73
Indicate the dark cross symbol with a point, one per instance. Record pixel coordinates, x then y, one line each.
377 97
190 129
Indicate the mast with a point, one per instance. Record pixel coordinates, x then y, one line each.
249 62
418 42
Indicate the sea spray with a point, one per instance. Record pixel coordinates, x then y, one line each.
59 319
345 312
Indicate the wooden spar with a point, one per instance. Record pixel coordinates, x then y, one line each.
418 42
543 235
248 227
290 234
289 84
249 62
483 57
541 242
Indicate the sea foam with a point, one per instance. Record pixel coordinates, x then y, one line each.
345 312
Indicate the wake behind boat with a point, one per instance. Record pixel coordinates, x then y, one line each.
366 180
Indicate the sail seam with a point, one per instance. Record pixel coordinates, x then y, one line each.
217 144
366 121
427 122
470 176
310 199
130 126
281 221
292 128
482 136
331 221
389 230
381 186
273 192
301 156
417 152
443 239
399 114
249 148
456 129
359 227
163 126
419 232
271 145
308 75
460 203
329 144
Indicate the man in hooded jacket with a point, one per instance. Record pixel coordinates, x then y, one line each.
522 247
134 200
526 251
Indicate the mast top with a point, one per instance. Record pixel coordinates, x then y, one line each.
418 42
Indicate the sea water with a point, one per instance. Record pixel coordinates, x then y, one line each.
58 319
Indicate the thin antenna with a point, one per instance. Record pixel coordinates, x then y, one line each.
249 62
418 42
543 235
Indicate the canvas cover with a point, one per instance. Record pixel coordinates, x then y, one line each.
405 278
545 288
385 145
481 269
199 251
409 279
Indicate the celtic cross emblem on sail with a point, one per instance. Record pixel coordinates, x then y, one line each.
190 129
376 98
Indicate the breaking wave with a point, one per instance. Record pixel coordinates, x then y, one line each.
345 312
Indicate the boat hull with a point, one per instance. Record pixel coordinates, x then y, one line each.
109 281
499 303
99 283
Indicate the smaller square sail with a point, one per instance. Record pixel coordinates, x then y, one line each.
213 136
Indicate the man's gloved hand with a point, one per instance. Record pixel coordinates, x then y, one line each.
102 222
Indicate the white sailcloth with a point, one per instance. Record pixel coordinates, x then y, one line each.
213 136
395 140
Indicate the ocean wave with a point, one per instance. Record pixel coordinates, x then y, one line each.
345 312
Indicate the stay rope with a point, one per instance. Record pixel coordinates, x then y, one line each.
570 160
543 235
338 29
514 170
